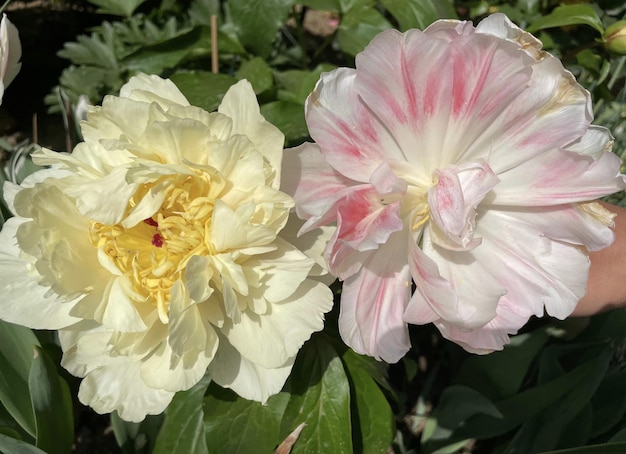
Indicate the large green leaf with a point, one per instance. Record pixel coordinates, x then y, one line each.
16 357
10 445
607 448
153 59
319 397
544 431
239 426
183 428
202 88
609 403
373 428
358 27
258 73
528 404
288 117
419 13
297 84
257 23
576 14
500 374
52 405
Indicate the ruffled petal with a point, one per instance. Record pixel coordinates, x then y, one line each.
271 339
352 139
240 104
373 302
245 377
314 184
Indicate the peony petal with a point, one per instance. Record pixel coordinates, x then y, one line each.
151 88
353 140
314 184
434 297
271 340
477 289
535 270
373 302
453 200
240 104
24 301
559 177
245 377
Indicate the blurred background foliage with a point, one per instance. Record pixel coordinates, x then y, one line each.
559 386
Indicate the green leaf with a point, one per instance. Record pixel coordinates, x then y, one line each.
258 73
320 397
117 7
561 16
11 445
322 5
153 59
136 437
358 27
52 405
374 427
90 50
16 357
418 13
526 405
609 403
236 425
288 117
202 88
607 448
298 84
257 23
183 428
500 374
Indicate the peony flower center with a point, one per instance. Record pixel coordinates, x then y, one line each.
154 253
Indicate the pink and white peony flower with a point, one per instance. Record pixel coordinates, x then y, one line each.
10 53
156 249
454 162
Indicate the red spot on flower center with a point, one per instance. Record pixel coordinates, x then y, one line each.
157 240
151 222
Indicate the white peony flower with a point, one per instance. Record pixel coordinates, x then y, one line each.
155 249
10 53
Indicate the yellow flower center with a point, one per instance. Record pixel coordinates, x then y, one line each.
153 254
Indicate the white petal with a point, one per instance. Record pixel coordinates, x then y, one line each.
248 379
270 340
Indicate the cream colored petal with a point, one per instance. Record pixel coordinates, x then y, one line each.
145 88
270 340
251 381
24 301
240 104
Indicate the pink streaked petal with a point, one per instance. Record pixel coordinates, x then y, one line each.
386 182
436 96
353 141
477 290
535 270
559 177
365 220
492 336
373 302
314 185
551 112
456 195
596 141
434 297
573 224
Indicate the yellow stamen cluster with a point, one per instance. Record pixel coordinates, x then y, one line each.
155 252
